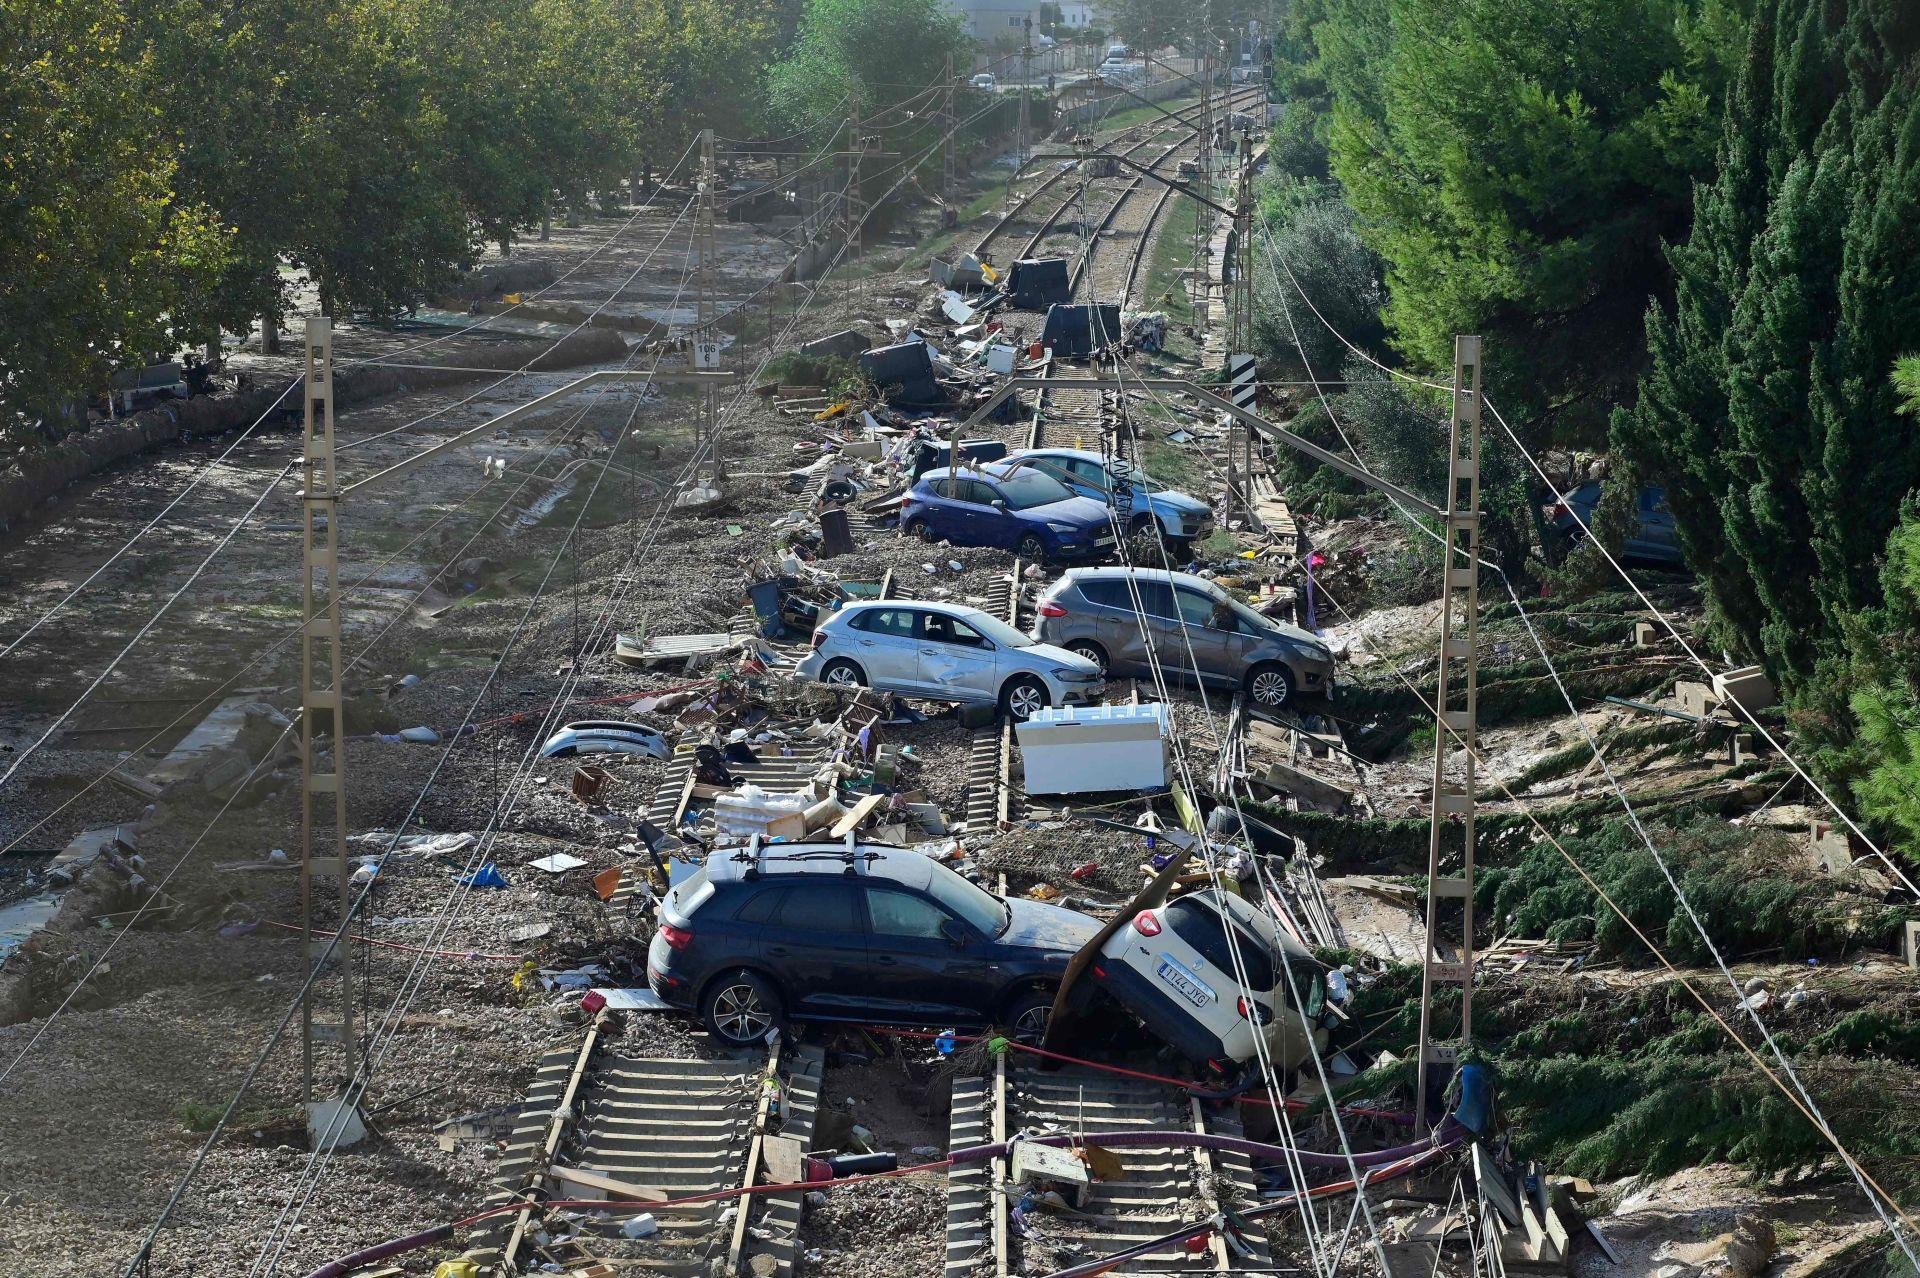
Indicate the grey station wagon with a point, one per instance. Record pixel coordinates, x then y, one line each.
1092 612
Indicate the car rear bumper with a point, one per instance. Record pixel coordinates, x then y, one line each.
675 988
1164 1016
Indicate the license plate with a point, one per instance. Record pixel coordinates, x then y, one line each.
1189 986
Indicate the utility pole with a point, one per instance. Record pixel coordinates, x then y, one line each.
322 671
1240 307
1026 82
850 207
1453 803
948 166
706 337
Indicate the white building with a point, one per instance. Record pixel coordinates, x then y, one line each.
1077 13
996 21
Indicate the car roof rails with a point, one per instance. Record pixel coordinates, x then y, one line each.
757 853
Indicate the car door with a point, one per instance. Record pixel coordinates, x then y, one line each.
814 942
956 661
994 525
1162 622
927 965
1209 646
1120 630
886 643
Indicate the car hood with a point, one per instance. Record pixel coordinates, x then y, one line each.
1082 512
1305 639
1048 927
1181 503
1045 654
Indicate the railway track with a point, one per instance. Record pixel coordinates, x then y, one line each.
990 799
645 1133
1070 193
1161 1187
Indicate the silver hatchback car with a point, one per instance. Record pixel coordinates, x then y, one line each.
1199 632
947 652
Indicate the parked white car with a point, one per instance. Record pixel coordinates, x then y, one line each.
947 652
605 736
1173 967
985 81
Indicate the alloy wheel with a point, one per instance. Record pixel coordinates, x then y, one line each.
740 1015
1025 700
1270 688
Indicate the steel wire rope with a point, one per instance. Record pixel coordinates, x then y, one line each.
1804 1101
1261 874
1230 928
268 411
382 1038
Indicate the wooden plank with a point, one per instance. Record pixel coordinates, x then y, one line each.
858 813
579 1182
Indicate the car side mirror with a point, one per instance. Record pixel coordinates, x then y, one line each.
955 934
999 503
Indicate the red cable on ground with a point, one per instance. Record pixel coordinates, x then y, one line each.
596 701
396 945
1359 1111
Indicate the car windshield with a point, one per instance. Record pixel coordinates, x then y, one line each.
1249 618
1026 488
1202 928
1003 635
984 912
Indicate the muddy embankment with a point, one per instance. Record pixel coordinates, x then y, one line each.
35 478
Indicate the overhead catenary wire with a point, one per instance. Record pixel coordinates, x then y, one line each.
34 747
1666 622
252 1073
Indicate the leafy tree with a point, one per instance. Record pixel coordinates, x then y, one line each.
103 264
1316 236
1518 164
1767 410
881 52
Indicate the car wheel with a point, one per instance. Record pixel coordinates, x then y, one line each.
1027 1016
923 530
841 673
1022 697
1145 539
741 1008
1091 651
1032 549
1270 684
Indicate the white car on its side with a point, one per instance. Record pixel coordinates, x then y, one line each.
606 736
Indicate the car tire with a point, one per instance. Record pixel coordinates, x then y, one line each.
1032 549
1023 695
1145 540
1091 651
1026 1016
1270 684
740 1008
923 530
841 673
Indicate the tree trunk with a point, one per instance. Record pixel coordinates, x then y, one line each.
546 227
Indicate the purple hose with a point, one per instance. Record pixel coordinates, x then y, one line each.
381 1251
1448 1134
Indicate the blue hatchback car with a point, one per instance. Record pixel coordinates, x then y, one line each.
1026 510
1174 515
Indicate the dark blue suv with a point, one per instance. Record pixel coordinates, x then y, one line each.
1026 510
862 933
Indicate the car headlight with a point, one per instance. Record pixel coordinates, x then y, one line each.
1068 529
1064 675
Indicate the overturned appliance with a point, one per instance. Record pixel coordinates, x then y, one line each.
904 373
1081 330
966 271
969 452
1035 283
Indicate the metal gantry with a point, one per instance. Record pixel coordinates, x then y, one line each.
1455 723
322 691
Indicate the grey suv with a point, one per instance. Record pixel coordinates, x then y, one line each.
1222 643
